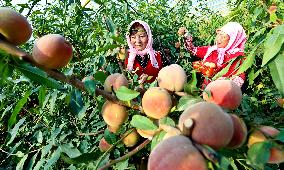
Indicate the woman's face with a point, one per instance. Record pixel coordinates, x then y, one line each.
139 38
222 39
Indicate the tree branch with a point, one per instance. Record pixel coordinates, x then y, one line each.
129 154
72 80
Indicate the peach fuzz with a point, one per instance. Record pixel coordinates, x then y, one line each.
156 102
172 78
211 125
224 93
176 153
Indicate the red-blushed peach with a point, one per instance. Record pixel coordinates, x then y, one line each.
211 125
114 114
224 93
259 135
240 132
113 129
52 51
176 153
115 81
104 145
156 102
14 27
172 78
131 139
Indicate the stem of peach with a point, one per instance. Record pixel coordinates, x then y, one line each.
187 127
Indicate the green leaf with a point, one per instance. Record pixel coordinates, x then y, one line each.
191 87
84 158
125 94
118 39
259 153
32 161
107 47
17 109
248 62
110 137
52 101
224 70
186 101
100 76
90 86
110 25
39 76
273 44
277 72
76 103
14 131
143 123
280 136
167 121
157 139
20 165
53 158
70 150
41 95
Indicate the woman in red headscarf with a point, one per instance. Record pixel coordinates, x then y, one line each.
230 41
142 58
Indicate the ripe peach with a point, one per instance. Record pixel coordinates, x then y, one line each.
259 135
224 93
114 114
121 54
113 129
172 77
115 80
52 51
211 125
131 139
14 27
104 145
170 131
176 153
146 133
240 132
156 102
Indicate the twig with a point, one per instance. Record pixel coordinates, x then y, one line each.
112 146
91 134
131 7
30 10
129 154
72 80
86 3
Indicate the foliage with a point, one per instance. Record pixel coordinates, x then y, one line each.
52 125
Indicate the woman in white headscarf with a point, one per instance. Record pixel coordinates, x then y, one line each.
230 42
142 58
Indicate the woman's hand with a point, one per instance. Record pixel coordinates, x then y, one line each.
182 31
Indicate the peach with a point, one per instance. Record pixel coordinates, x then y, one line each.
131 139
121 55
240 132
259 135
170 131
224 93
52 51
114 114
14 27
172 78
104 145
146 133
113 129
211 125
115 81
176 153
88 78
156 102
